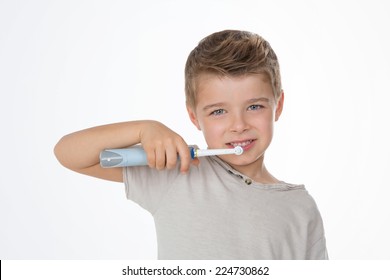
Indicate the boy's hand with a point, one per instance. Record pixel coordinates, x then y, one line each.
162 147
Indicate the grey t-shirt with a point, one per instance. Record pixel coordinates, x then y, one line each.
214 212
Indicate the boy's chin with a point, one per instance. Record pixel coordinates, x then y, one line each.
235 160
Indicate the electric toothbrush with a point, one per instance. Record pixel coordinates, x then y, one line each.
136 156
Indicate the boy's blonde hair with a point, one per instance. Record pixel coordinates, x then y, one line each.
231 53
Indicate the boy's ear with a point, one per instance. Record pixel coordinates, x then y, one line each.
279 106
193 117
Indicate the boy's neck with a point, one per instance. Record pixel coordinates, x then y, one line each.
257 172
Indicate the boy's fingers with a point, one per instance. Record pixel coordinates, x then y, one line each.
185 158
171 157
160 159
151 157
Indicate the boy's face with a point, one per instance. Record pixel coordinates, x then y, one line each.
233 111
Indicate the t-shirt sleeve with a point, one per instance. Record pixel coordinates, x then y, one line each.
148 186
318 250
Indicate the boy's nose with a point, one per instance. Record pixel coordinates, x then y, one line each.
238 124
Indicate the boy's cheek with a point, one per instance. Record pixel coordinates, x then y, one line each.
213 137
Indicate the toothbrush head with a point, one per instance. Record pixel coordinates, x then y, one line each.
238 150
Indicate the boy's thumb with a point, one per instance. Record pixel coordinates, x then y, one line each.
195 161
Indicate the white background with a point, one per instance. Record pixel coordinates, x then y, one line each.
69 65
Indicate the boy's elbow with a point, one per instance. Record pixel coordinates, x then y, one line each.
71 156
58 152
62 153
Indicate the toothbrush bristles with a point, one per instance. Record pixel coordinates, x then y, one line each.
238 150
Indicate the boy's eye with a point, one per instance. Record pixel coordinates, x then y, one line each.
218 112
255 107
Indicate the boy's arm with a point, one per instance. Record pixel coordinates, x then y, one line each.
79 151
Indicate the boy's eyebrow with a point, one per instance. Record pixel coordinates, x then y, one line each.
254 100
221 104
207 107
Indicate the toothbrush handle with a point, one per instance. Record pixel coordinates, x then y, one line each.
133 156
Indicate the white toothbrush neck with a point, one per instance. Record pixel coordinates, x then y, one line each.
215 152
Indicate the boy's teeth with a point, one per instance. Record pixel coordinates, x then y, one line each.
242 144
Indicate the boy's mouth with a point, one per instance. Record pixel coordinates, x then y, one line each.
244 144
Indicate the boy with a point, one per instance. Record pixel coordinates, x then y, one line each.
221 207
